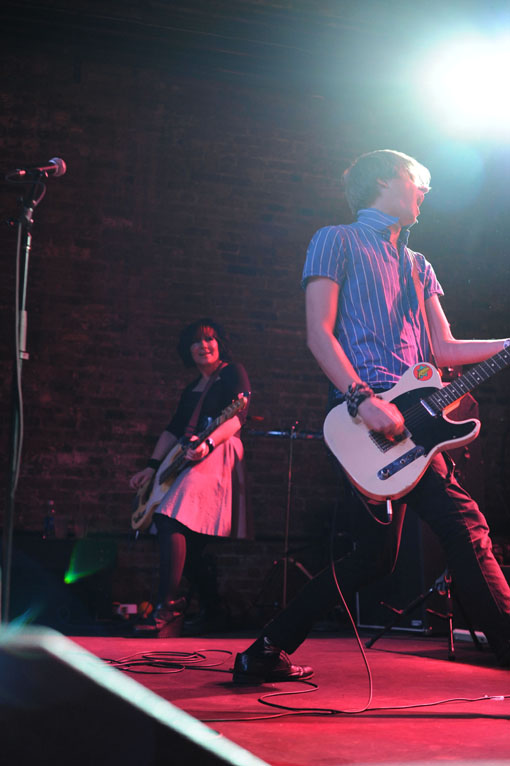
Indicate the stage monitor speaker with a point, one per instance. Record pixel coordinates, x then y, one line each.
59 704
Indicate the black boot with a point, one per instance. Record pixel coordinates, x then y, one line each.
169 618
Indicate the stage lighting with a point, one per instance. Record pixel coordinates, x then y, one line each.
466 86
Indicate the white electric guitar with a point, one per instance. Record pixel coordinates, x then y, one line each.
385 469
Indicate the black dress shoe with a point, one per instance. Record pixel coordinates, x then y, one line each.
268 666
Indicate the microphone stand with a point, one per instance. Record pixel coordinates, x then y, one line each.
24 244
292 437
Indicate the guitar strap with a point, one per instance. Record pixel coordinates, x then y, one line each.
190 428
421 302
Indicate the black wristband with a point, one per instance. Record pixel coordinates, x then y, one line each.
210 444
153 463
357 393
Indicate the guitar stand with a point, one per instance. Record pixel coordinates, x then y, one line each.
443 586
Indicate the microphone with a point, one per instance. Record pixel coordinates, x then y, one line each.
56 167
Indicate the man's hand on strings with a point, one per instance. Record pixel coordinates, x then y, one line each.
382 416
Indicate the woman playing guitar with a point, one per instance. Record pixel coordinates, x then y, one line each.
205 497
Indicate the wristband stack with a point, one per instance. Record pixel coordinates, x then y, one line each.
153 463
357 393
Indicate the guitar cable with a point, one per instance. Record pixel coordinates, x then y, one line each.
363 500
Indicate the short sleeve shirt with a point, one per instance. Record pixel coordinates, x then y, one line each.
379 323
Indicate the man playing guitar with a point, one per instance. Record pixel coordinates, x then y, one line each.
367 295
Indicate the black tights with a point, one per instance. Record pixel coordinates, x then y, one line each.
181 552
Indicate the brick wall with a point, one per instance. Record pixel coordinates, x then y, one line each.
191 189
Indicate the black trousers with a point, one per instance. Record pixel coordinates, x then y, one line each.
454 516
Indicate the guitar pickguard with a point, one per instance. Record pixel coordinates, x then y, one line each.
428 431
425 430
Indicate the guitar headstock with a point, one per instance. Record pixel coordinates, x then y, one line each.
241 401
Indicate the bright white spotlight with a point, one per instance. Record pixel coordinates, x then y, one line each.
468 89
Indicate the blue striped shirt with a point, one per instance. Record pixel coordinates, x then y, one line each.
379 323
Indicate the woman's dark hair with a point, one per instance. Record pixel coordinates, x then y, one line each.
197 330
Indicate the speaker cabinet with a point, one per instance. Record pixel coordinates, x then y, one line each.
61 705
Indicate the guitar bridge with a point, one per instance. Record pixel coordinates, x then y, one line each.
401 462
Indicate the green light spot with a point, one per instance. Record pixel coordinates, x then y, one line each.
88 557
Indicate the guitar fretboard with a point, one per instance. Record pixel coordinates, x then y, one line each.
470 380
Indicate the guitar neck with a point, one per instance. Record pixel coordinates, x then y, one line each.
181 460
228 413
479 373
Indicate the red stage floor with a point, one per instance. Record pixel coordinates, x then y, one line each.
409 673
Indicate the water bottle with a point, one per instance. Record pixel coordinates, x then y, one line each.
49 521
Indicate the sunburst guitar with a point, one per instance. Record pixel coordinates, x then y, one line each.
385 469
150 495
